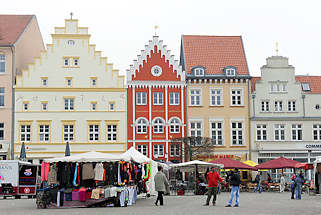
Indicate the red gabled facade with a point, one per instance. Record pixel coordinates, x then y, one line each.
156 103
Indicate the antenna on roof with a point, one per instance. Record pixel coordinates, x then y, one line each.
277 48
71 14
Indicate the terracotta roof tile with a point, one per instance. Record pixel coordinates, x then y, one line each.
214 53
11 27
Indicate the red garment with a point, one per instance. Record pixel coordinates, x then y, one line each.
293 177
44 171
212 178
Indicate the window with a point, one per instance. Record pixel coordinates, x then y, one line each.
66 61
69 103
76 62
25 133
297 132
94 82
158 150
141 126
279 132
25 106
230 72
44 106
196 129
158 126
141 98
278 106
69 82
71 42
217 133
93 106
93 132
175 150
111 106
265 106
195 97
317 132
261 132
158 98
142 149
174 126
236 97
291 106
216 97
237 133
278 87
68 133
112 133
71 61
1 96
2 63
174 98
44 82
199 72
1 131
44 133
305 86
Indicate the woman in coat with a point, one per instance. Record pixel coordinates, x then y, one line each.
160 185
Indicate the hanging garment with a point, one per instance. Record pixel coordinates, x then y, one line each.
95 193
82 194
75 195
119 174
74 181
52 175
88 171
99 172
44 171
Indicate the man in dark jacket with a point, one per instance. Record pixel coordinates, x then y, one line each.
235 181
258 183
212 178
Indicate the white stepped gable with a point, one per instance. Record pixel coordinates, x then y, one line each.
164 52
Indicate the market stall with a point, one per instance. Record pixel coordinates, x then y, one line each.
317 175
93 179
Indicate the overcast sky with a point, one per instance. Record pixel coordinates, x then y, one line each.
121 28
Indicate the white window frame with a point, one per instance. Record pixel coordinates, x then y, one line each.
237 129
216 130
174 125
26 134
174 98
44 133
94 132
66 61
141 98
142 148
111 106
69 82
261 131
199 72
175 150
75 62
94 106
265 106
141 126
2 63
1 131
216 99
292 106
25 106
280 129
158 125
112 132
193 95
198 131
69 104
158 98
94 82
158 148
278 106
230 72
69 133
237 97
44 106
316 132
296 132
2 96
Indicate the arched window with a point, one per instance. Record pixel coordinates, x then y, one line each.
158 125
175 125
142 126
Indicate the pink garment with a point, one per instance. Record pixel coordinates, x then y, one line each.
44 171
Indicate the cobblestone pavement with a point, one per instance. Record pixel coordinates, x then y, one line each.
250 203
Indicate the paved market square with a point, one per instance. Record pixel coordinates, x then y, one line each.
250 203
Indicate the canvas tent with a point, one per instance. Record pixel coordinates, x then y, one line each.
191 165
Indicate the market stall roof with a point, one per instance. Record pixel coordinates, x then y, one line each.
304 166
250 163
231 164
133 155
91 156
278 163
190 165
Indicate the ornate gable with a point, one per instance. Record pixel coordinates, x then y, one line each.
155 64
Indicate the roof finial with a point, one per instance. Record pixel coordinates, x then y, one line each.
71 14
277 48
156 27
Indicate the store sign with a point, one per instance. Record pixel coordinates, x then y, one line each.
313 146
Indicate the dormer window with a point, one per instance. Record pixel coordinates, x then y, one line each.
199 71
305 86
230 72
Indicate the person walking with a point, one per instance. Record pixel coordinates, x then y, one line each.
212 178
293 185
258 182
160 185
235 181
299 181
282 183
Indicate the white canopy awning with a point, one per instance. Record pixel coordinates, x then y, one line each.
191 165
133 155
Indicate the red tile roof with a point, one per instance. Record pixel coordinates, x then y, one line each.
11 27
314 82
214 53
